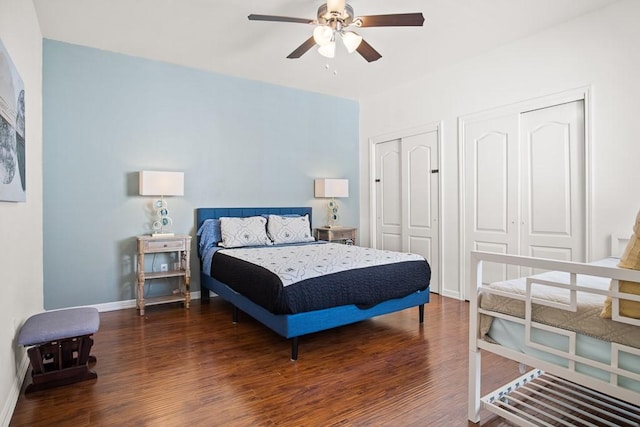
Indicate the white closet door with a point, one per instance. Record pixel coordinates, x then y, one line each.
407 197
491 190
420 183
524 186
553 188
388 196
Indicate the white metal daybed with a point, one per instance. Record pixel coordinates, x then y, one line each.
586 369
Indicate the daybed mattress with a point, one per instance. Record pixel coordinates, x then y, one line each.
288 279
585 320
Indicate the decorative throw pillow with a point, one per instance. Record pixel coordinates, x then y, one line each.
238 232
628 308
631 256
284 229
630 259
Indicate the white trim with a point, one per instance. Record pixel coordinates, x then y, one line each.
14 393
579 94
126 304
404 133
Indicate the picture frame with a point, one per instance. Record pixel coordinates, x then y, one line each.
13 186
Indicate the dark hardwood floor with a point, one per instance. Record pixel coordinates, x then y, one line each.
176 367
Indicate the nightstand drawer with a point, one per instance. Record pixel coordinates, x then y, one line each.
346 235
337 234
164 245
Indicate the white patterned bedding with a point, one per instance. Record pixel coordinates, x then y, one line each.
293 264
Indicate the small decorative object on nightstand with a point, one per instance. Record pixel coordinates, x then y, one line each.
346 235
181 244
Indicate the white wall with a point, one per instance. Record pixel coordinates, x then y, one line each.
599 49
21 223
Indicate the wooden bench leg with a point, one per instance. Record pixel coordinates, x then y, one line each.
60 363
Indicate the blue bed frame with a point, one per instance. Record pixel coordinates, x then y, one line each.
294 325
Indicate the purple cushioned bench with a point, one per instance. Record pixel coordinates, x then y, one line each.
60 342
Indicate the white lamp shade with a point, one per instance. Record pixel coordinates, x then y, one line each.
328 50
351 40
327 187
156 183
322 35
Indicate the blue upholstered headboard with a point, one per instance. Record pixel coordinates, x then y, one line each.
210 213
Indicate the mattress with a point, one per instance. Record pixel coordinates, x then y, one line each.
288 279
585 320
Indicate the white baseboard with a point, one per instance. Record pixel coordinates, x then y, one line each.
14 393
451 294
122 305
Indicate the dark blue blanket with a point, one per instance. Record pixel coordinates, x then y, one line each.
364 287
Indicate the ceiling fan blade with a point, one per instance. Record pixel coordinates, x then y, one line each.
274 18
394 20
368 52
302 49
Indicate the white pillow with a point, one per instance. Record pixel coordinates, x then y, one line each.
238 232
284 229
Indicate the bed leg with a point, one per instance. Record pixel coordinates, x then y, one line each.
421 309
294 349
235 314
475 362
204 295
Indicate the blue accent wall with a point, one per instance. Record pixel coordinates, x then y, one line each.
239 142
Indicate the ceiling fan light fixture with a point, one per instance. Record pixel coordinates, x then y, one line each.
328 50
336 6
322 35
351 40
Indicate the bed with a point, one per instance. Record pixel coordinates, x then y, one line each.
288 311
583 369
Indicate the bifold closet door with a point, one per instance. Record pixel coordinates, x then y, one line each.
407 188
491 153
525 187
553 185
388 196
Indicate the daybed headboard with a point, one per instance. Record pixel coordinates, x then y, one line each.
212 213
618 244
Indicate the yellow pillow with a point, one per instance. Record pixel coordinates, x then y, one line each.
627 308
631 256
630 259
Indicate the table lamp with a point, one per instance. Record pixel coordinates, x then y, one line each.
331 188
158 183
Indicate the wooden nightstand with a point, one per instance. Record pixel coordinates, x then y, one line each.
181 244
346 235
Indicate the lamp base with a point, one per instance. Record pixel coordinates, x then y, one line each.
162 234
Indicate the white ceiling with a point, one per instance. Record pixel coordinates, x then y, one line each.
216 35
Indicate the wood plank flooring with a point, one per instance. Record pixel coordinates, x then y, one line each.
177 367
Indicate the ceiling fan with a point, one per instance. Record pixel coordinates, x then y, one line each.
332 23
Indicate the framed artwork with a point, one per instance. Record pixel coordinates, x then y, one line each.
13 186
